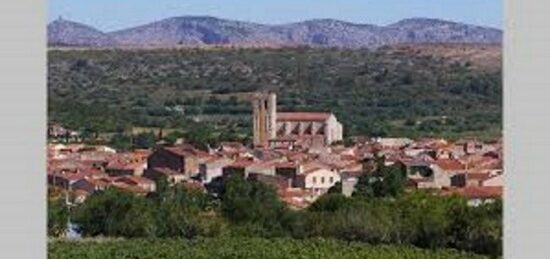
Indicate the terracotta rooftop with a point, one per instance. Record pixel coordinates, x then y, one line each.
449 164
478 176
475 192
302 116
407 161
186 150
131 179
166 171
241 163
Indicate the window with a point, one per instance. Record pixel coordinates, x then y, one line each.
314 179
322 179
331 179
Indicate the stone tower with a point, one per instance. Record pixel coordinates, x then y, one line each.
264 118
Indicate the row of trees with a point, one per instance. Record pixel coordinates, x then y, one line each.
379 212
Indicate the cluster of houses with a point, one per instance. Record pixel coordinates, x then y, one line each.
300 175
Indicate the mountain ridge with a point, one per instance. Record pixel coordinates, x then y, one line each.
196 31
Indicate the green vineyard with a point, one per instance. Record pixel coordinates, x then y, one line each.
239 248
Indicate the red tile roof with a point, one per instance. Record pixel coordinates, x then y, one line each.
131 179
478 176
166 171
302 116
241 163
476 192
123 165
186 150
449 164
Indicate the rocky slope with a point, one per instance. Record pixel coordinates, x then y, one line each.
196 31
68 33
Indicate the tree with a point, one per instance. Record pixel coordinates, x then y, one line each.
336 188
477 229
116 213
251 202
183 212
391 182
385 181
121 142
145 140
423 219
173 136
58 216
330 202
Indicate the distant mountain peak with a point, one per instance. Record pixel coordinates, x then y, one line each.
69 33
209 30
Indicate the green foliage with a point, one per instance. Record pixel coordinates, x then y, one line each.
58 216
417 218
477 229
246 208
121 142
330 202
251 202
180 213
252 209
145 140
172 137
116 213
371 92
336 188
240 248
385 181
424 219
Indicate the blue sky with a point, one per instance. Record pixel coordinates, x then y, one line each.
108 15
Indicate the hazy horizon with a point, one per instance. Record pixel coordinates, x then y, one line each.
108 15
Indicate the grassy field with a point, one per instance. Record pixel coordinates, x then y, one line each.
239 248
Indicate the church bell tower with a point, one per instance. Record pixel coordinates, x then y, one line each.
264 118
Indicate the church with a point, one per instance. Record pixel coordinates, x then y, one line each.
272 128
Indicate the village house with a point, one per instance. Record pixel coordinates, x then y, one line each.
184 159
494 180
212 168
92 185
288 169
300 173
280 183
240 167
448 172
317 179
137 181
64 179
125 167
170 175
475 195
420 174
393 142
232 150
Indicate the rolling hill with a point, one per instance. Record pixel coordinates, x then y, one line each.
68 33
405 90
199 31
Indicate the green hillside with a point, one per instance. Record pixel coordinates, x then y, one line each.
382 92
